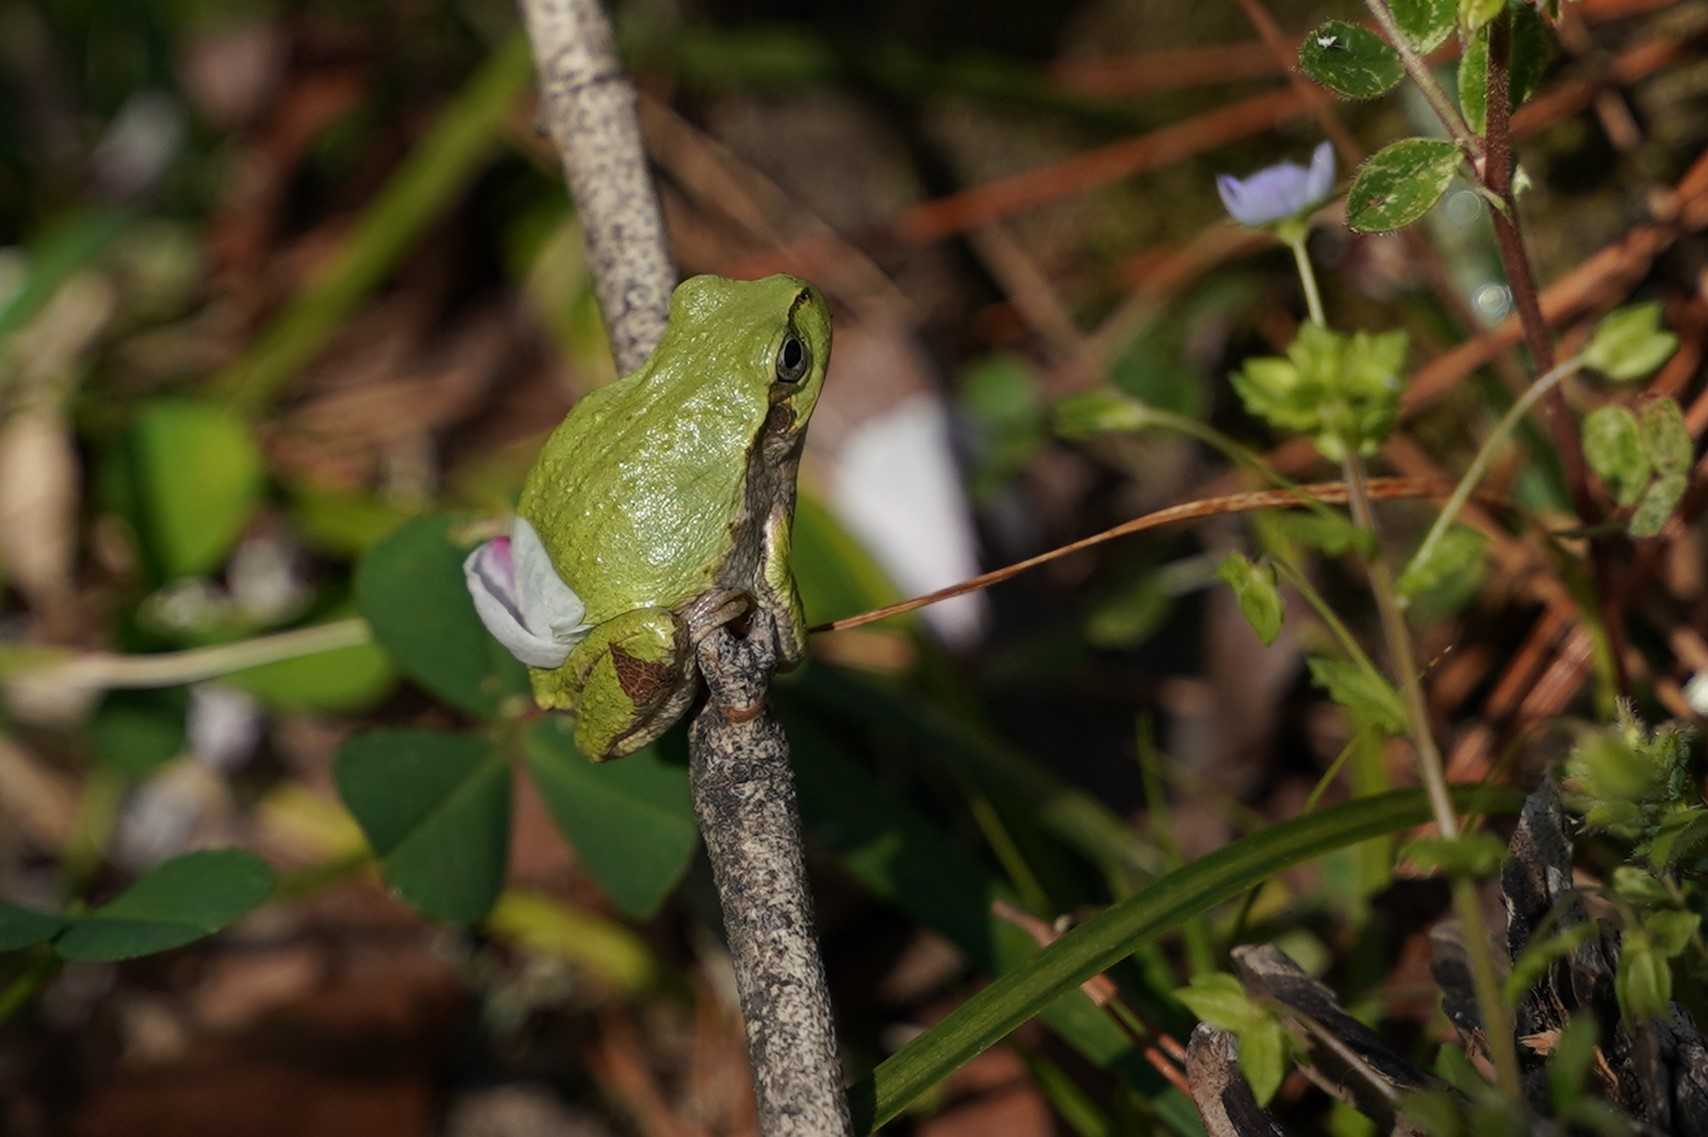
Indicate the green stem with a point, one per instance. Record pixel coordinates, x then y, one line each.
1480 464
33 978
1308 278
104 671
1315 599
1496 1026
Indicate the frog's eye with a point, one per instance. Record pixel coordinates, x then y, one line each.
793 359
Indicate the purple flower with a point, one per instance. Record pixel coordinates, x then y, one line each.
521 599
1278 192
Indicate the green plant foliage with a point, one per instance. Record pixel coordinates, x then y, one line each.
1613 446
137 732
835 573
25 927
435 809
341 681
1473 14
1220 1000
1369 698
631 821
1635 784
1257 592
1531 49
179 901
1097 412
1342 390
1399 183
1350 61
1123 928
1539 955
1469 854
1657 505
1425 24
1629 343
1666 436
196 478
1456 563
410 588
999 398
1129 615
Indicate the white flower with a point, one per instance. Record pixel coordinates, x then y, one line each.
521 599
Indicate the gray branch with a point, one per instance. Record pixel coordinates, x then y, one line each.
744 797
588 106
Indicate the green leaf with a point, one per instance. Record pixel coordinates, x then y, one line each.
1629 343
1369 698
184 899
1220 1000
25 927
1531 48
1350 61
1098 412
1613 446
197 478
1569 1061
1666 437
631 821
137 732
1130 615
1425 24
410 588
1263 1058
1644 980
1399 183
1468 855
1671 931
1473 14
340 681
1539 955
835 573
1473 82
1657 505
1639 886
435 808
1457 558
1121 929
1258 595
1434 1112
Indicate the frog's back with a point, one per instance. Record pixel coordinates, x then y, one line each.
635 492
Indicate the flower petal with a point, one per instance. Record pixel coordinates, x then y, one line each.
491 585
550 608
1319 183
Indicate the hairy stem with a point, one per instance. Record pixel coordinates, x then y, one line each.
1418 71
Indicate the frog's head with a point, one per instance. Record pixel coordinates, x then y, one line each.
778 333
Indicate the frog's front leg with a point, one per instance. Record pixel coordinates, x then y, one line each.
777 592
628 681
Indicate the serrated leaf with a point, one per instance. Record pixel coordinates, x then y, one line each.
1657 505
1351 61
1629 343
1613 446
435 808
1400 183
1666 436
25 927
631 822
1370 699
1425 24
1258 595
410 588
182 900
196 481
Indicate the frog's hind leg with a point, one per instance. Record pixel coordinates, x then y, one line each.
635 677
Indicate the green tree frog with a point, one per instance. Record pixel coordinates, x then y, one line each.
659 510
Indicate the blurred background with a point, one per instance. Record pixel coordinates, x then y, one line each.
276 278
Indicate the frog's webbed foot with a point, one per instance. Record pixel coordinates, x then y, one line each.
634 677
738 667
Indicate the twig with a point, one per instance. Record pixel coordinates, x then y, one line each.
744 798
588 107
742 786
